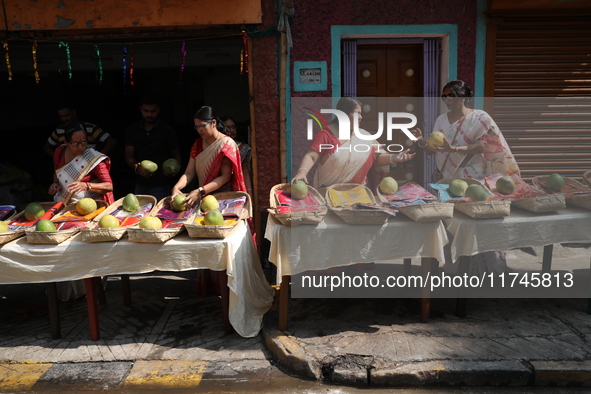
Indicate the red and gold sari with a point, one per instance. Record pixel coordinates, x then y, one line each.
208 163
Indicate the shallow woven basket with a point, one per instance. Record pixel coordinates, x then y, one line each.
57 237
293 219
481 209
541 204
358 216
583 201
151 235
98 234
432 211
10 235
220 232
587 178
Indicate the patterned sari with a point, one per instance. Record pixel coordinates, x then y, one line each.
89 166
476 126
208 163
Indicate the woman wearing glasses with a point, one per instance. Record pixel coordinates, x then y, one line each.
80 172
245 151
215 160
473 145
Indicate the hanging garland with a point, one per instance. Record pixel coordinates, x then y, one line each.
124 68
34 49
131 66
183 61
244 54
7 56
99 76
68 57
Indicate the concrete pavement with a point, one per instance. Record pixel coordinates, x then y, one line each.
170 337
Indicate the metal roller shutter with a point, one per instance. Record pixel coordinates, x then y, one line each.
543 56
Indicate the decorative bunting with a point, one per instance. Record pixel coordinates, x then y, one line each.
131 64
183 61
125 68
99 76
7 56
34 49
68 57
244 57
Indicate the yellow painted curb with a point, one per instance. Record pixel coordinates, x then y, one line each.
165 373
21 376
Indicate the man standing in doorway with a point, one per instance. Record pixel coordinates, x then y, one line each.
151 139
97 138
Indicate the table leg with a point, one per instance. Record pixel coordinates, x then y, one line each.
407 267
54 314
461 301
126 284
225 294
92 306
427 267
547 259
283 302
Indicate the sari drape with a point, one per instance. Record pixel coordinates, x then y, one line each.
208 163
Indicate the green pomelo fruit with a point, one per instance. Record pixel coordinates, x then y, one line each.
86 206
45 225
299 190
150 222
388 185
34 211
178 203
3 227
208 203
108 221
505 185
436 139
131 203
555 182
171 167
213 218
458 187
148 167
476 193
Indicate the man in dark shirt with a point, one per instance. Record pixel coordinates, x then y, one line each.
97 138
151 139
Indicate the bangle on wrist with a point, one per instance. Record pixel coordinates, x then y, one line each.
201 191
88 187
391 157
419 143
302 168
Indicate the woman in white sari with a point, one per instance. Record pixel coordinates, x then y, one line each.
339 163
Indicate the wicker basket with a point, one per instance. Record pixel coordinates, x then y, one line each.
481 209
10 235
583 201
160 235
98 234
197 230
541 204
293 219
357 216
432 211
59 236
587 178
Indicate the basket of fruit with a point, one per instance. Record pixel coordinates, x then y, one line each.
113 222
574 191
66 223
15 226
296 204
356 204
164 222
413 201
523 196
473 198
219 215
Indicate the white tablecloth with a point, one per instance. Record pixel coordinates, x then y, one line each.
250 294
518 230
333 243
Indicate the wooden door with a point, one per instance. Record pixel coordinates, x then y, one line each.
392 71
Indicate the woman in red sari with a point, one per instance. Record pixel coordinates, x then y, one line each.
215 160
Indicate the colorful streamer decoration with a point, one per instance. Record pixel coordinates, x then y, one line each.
244 54
7 57
124 66
34 49
68 57
131 64
99 70
184 61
